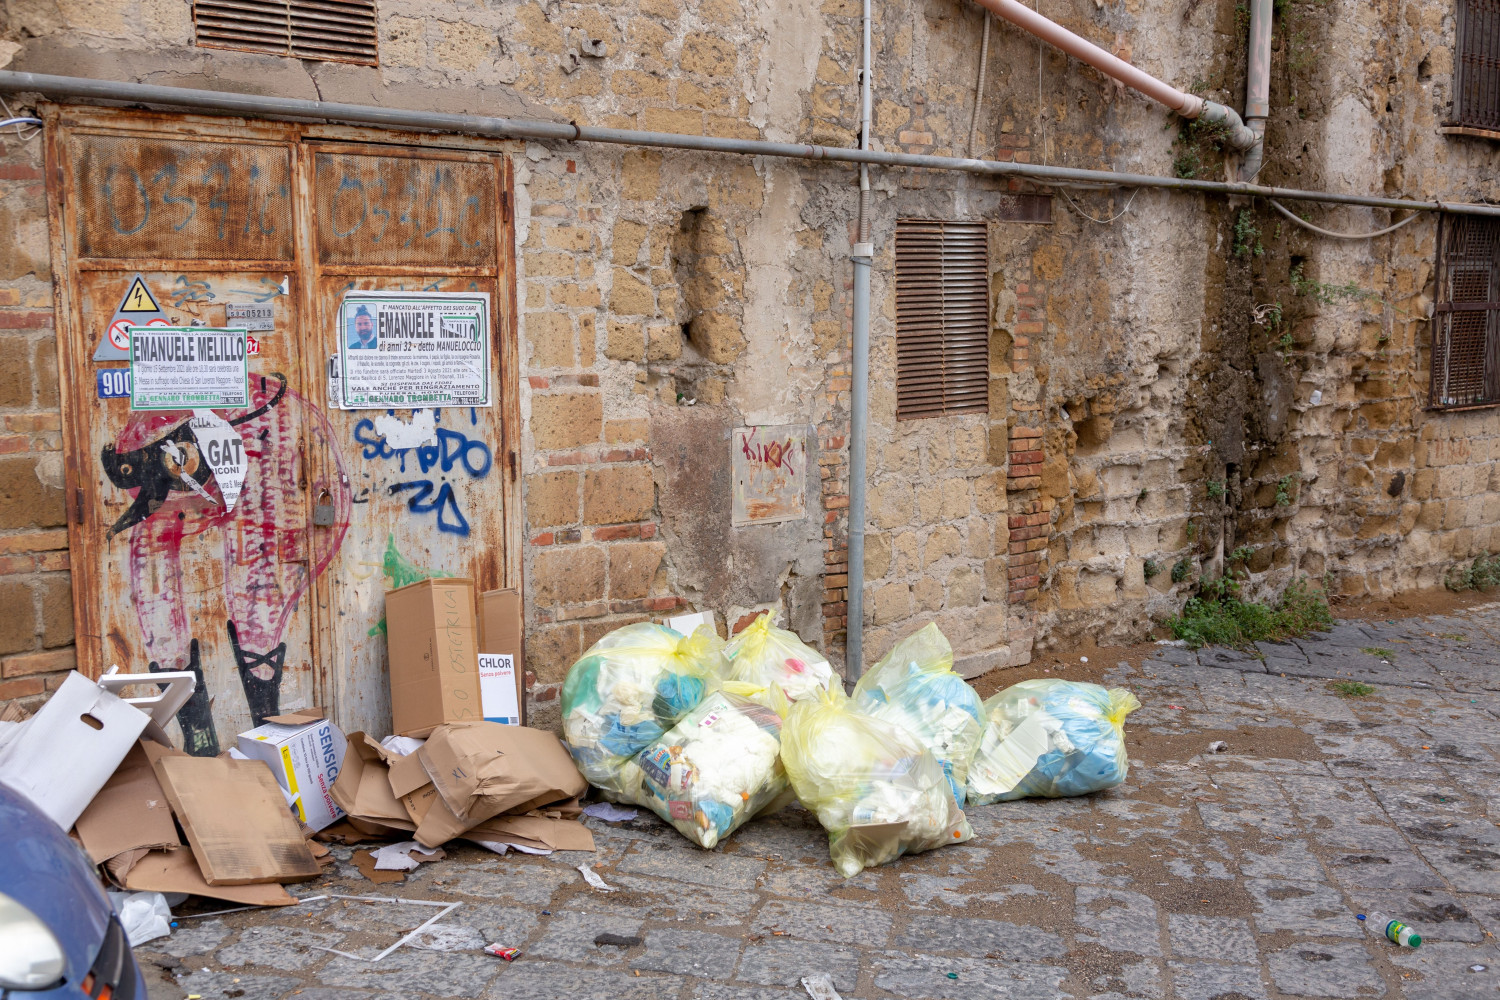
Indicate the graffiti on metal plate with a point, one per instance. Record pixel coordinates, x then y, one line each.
266 556
770 473
452 450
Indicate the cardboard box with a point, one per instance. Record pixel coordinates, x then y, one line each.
305 758
434 652
63 755
363 788
502 631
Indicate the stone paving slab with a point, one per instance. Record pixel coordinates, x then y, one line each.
1233 876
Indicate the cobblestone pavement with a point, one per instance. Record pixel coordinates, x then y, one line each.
1205 877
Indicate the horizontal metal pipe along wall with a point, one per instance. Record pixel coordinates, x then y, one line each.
515 128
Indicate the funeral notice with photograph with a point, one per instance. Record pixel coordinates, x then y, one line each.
413 349
188 368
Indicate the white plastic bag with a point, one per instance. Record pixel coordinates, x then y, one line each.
914 686
715 769
1051 738
145 916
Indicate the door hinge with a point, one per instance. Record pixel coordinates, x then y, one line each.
505 206
77 514
511 457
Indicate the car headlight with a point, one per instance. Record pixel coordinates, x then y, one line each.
30 957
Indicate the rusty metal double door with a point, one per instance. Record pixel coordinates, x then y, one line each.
276 600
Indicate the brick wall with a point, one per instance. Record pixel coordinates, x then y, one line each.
36 598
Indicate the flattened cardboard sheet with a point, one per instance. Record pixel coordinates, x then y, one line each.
236 820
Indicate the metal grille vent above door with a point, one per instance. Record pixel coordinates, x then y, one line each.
330 30
942 318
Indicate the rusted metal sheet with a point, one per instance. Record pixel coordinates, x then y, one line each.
175 200
279 602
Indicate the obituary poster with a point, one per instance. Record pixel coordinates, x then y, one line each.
413 349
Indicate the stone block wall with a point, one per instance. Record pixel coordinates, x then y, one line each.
36 597
1143 414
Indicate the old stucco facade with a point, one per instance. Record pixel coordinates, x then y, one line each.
1143 412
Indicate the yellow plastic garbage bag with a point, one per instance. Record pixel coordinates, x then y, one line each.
630 688
718 767
914 686
876 790
764 655
1050 738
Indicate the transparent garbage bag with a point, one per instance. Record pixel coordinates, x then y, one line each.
627 690
1051 738
877 791
763 655
914 686
718 767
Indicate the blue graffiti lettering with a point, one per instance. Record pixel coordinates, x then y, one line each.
220 171
350 184
453 449
445 502
169 174
140 188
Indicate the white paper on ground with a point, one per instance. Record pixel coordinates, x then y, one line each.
144 915
500 847
820 987
609 812
594 880
399 434
397 857
402 746
224 450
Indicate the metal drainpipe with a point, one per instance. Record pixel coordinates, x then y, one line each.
1185 104
1257 86
862 255
259 106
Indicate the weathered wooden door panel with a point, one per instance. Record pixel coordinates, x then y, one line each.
278 602
428 485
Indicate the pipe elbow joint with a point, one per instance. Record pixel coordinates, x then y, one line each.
1240 136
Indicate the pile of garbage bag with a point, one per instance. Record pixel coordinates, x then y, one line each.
766 656
714 770
630 688
914 687
874 787
1049 739
709 736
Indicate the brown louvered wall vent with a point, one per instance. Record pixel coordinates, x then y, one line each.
330 30
942 318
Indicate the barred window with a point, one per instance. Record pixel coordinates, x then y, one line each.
1466 322
330 30
942 318
1476 67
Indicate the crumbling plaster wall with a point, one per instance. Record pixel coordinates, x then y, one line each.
667 297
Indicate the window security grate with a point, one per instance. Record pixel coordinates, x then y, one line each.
1476 76
1466 323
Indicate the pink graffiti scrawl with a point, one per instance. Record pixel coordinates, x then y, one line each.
266 564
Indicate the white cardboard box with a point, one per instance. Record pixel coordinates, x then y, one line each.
62 756
497 689
305 759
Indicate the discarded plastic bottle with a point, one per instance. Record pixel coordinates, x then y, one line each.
1393 929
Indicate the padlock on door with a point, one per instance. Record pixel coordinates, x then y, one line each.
323 510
